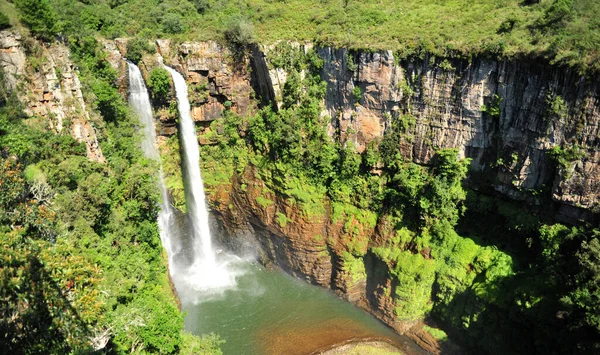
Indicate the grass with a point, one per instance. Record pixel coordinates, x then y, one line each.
264 202
282 219
562 31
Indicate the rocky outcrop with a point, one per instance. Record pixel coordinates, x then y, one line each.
504 115
215 82
295 242
49 87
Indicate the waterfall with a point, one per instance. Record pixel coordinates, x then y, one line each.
140 101
206 273
195 198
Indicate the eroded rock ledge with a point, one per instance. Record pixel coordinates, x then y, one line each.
49 88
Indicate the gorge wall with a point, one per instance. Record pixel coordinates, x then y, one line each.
505 115
512 118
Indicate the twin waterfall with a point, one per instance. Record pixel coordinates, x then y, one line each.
196 270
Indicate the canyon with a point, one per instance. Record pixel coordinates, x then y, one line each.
505 115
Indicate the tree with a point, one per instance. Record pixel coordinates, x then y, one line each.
172 24
39 16
201 5
135 49
587 296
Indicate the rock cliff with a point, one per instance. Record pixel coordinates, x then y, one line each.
49 87
514 119
505 115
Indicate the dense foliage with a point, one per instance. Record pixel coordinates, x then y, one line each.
159 84
81 263
513 284
563 31
40 17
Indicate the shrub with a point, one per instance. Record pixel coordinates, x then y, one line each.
108 101
240 33
565 156
172 24
159 84
557 108
201 5
494 108
136 48
4 21
357 94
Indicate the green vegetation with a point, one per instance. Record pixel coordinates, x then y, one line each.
40 17
565 156
82 263
493 283
263 201
4 21
206 345
354 267
136 47
557 109
171 163
283 220
159 84
493 109
515 281
239 33
438 334
357 94
560 31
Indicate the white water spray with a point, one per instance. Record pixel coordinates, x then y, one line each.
206 273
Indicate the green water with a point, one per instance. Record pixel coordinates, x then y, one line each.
269 312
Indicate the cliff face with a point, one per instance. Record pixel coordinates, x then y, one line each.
49 87
312 248
214 83
504 115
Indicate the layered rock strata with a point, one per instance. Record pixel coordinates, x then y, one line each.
49 87
506 116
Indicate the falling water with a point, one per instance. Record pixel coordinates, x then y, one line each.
140 101
206 273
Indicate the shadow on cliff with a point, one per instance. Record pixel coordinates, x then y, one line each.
500 327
